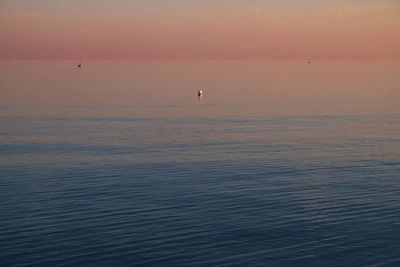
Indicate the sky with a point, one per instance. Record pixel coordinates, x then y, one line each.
193 29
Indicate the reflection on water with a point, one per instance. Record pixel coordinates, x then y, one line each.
280 163
126 89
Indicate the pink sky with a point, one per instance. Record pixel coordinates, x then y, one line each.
228 30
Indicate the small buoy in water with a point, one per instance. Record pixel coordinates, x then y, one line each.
200 93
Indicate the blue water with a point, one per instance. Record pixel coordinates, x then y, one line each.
207 185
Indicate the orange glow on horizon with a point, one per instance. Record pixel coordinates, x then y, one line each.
352 32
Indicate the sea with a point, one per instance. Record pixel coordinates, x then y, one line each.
278 163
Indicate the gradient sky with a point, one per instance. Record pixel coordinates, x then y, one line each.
193 29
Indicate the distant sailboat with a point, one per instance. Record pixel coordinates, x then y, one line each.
200 93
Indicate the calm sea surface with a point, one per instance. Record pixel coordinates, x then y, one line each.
279 164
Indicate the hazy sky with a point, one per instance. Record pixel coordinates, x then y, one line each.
206 29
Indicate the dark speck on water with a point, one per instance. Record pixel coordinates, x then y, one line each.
113 166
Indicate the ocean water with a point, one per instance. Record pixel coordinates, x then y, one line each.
280 163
